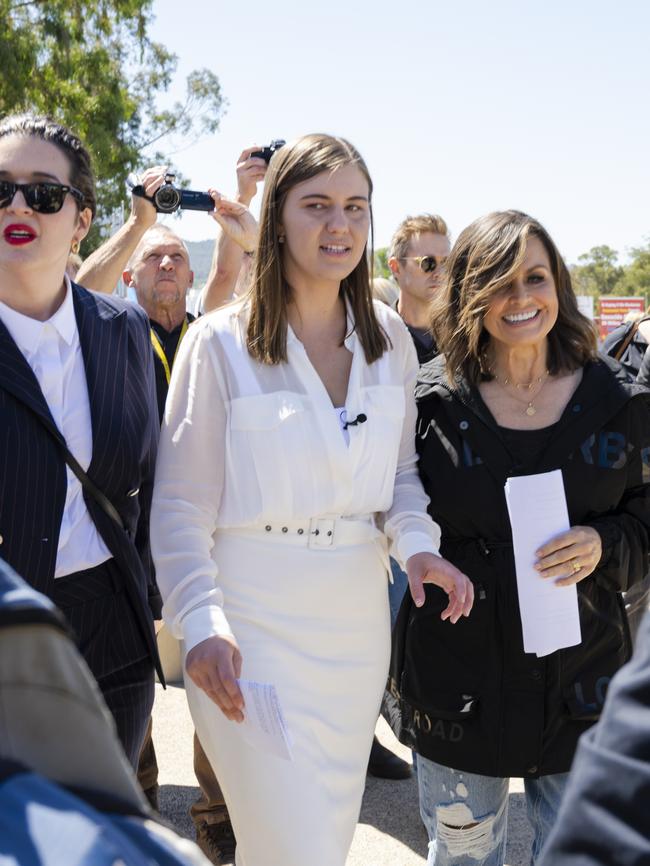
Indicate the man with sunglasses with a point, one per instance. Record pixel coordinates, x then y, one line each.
418 252
417 255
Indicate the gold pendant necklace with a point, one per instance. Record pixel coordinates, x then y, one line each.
530 409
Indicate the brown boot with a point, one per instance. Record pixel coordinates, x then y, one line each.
217 841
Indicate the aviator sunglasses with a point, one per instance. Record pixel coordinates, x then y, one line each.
41 196
428 264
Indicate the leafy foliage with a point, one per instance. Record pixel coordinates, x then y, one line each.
381 263
636 276
599 272
92 66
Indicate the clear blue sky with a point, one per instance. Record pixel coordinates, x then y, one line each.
459 107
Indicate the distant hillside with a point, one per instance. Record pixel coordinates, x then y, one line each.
200 260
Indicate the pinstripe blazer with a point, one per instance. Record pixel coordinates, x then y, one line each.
117 354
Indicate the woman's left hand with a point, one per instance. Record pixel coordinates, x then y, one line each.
424 568
236 221
570 557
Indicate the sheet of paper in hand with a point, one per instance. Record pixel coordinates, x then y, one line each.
264 726
538 512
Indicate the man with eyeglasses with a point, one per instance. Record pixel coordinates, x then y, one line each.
418 252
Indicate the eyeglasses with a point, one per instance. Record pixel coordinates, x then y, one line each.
40 196
428 264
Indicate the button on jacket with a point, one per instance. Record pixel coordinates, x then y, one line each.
245 443
467 695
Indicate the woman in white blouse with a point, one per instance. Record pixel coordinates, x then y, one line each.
289 425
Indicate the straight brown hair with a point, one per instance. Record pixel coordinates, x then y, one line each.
270 293
483 262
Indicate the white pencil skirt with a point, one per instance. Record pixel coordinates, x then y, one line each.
315 623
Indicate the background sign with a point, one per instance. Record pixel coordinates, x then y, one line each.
613 311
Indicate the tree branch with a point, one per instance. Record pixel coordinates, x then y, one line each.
27 3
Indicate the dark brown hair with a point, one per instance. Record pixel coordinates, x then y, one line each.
483 262
270 292
46 129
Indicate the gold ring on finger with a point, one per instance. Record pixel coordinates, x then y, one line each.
576 566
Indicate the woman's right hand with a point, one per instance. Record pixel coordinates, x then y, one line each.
214 665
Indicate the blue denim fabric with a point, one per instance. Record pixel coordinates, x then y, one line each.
457 798
396 590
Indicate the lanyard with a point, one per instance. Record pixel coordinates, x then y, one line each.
158 349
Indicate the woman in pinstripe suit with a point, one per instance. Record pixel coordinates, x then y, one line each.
76 377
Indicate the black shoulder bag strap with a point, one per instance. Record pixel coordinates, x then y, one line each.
88 485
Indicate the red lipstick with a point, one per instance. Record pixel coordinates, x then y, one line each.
18 234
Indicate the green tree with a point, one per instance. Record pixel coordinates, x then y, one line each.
92 66
381 263
636 276
598 272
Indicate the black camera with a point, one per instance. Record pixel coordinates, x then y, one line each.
169 198
267 152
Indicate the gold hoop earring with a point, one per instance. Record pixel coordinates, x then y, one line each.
75 247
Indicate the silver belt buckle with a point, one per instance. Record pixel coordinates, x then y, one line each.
321 532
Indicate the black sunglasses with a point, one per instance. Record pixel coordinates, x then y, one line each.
427 263
41 196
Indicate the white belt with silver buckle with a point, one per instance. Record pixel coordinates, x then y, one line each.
320 533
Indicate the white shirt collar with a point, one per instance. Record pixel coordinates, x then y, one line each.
26 332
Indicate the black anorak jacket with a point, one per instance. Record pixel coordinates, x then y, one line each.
467 695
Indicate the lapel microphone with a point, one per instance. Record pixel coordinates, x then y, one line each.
360 419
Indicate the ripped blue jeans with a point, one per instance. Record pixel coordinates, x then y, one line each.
451 801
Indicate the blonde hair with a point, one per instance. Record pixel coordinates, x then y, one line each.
385 290
413 226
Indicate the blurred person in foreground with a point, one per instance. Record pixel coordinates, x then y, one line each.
518 390
79 429
289 424
603 819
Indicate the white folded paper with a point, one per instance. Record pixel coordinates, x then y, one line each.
264 726
538 512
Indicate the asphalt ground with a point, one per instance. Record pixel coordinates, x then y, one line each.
389 832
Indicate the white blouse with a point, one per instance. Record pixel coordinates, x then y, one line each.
245 443
53 351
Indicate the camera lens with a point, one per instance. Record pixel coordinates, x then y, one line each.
167 199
